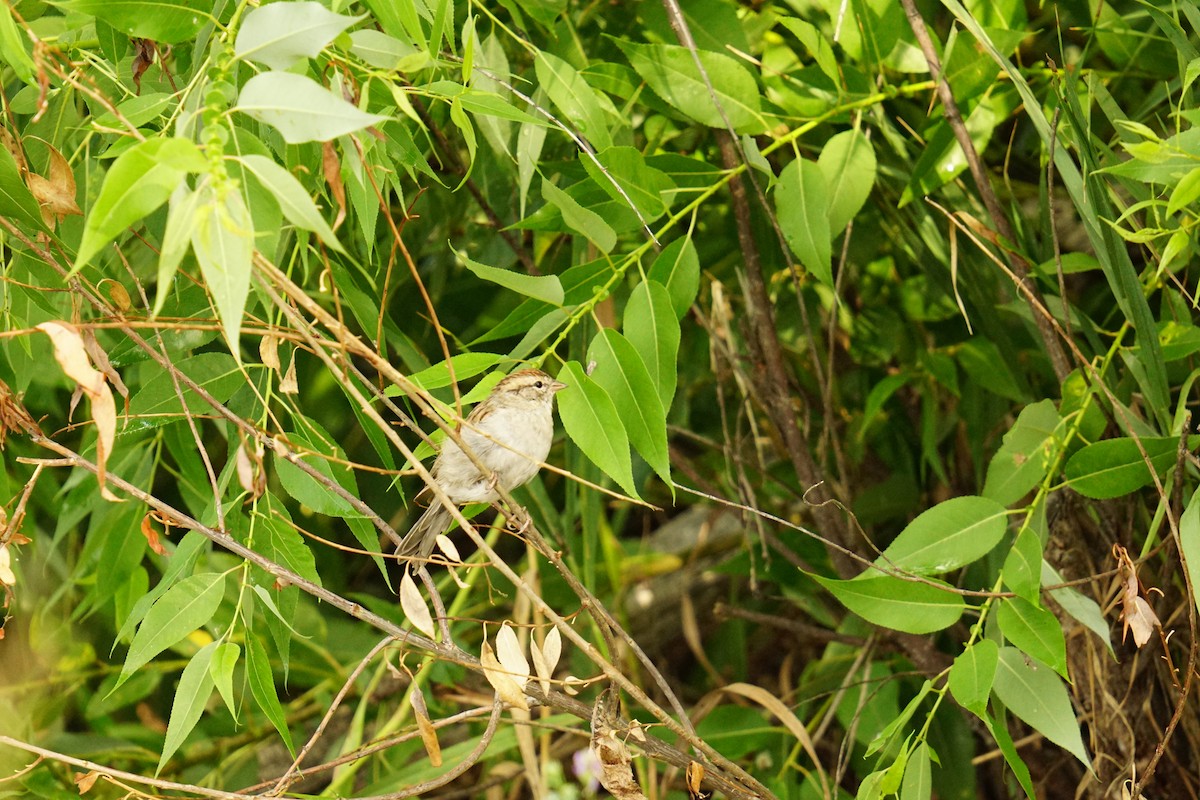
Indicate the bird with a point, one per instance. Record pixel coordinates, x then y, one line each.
510 433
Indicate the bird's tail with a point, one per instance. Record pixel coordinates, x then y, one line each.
419 541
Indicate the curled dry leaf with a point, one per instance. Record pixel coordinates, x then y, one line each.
13 416
151 535
1136 614
86 780
616 765
268 351
695 779
55 194
545 658
289 385
425 726
447 547
72 356
100 359
414 606
251 475
332 168
7 577
14 149
504 684
512 655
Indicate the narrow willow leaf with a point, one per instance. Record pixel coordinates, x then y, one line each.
466 365
950 535
295 203
651 327
802 203
1005 743
1022 460
138 182
318 450
848 163
16 201
972 675
262 687
223 242
579 219
221 668
164 21
385 52
622 374
1189 541
640 184
195 687
300 108
12 47
414 606
530 139
1115 467
897 604
1034 693
677 267
177 238
185 607
280 34
547 288
506 685
671 72
593 424
592 112
1035 631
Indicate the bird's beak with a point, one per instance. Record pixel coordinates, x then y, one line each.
557 386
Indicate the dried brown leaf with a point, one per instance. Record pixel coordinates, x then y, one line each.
504 684
72 356
428 733
7 576
151 535
289 385
414 606
332 168
86 780
55 194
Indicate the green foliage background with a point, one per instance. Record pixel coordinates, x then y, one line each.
868 441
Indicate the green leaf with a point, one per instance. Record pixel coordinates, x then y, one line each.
223 242
157 402
280 34
195 687
466 365
651 327
319 451
848 163
221 669
579 219
547 288
1034 693
1189 542
13 42
1005 743
1028 449
137 183
644 186
1082 608
593 424
671 72
592 112
677 267
1035 631
949 535
918 775
262 686
385 52
279 541
1115 467
1022 571
295 203
300 108
16 201
177 238
972 675
898 604
621 372
164 21
802 204
185 607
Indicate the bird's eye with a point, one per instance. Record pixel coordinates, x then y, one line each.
538 385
